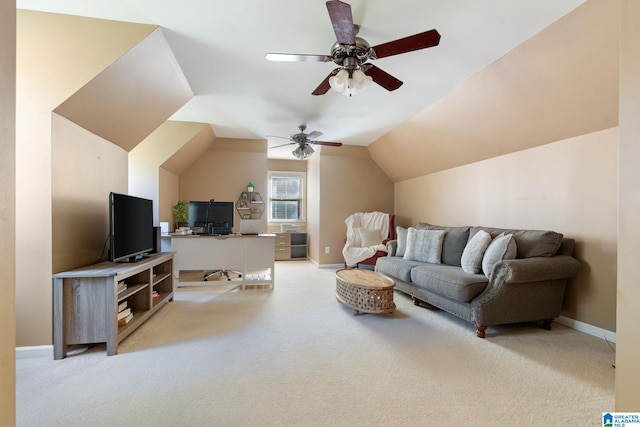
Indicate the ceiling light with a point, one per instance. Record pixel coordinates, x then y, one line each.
303 153
349 82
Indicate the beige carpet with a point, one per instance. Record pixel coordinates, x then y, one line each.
296 357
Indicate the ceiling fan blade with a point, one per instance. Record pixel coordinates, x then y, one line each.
323 87
295 57
314 134
342 21
282 145
331 144
275 136
382 78
408 44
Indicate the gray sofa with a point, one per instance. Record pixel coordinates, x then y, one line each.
528 287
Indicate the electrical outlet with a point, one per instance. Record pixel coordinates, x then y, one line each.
327 249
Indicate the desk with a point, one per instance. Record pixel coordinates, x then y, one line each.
251 255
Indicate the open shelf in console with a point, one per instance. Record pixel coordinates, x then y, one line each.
88 302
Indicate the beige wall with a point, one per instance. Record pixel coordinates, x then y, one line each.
86 168
314 212
223 171
70 177
349 181
58 41
169 190
569 186
7 212
628 295
146 158
194 140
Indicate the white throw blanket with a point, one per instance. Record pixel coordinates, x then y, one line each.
365 233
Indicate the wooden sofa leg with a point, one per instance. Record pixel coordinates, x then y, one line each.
415 300
480 331
546 324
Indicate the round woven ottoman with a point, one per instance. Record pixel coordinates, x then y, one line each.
365 291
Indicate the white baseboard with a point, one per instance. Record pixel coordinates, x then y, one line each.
34 351
330 265
587 329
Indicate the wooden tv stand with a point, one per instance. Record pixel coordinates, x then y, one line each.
86 300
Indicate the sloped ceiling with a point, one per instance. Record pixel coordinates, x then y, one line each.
133 96
220 45
200 139
562 82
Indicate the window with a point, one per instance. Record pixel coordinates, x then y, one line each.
286 196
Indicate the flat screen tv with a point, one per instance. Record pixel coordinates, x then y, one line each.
130 227
214 217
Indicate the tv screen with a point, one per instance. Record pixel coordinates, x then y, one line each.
130 227
214 217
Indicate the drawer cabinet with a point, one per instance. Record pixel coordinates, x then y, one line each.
291 246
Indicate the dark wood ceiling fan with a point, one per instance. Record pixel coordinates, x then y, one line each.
304 141
351 53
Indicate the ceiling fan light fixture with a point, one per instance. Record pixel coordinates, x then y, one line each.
350 82
303 153
339 81
359 81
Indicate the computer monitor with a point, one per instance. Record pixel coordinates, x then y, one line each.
214 217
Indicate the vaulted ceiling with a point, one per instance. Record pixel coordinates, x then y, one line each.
221 46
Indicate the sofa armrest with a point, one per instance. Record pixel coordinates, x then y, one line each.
536 269
522 290
392 245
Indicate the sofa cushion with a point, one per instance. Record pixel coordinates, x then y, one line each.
396 267
424 245
449 281
474 251
454 242
401 237
531 243
502 247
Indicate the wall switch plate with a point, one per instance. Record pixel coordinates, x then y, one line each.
327 249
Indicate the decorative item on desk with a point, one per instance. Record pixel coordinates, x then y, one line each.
181 213
250 186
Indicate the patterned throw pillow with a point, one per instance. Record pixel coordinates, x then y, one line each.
424 245
473 253
402 241
502 247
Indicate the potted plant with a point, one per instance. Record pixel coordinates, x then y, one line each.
181 213
250 186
